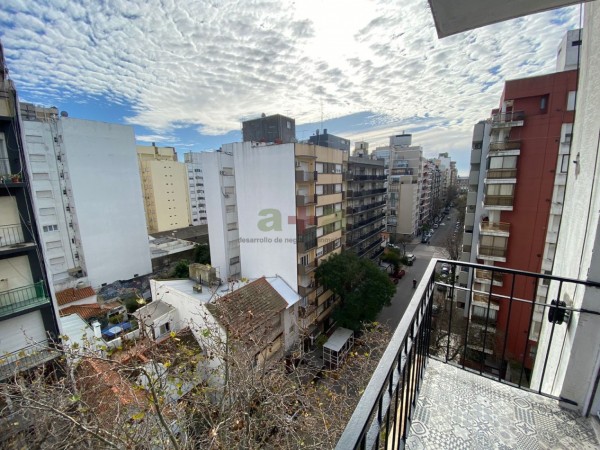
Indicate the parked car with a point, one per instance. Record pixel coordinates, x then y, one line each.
410 258
445 269
435 225
425 239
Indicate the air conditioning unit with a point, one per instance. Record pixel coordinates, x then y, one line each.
297 163
197 287
221 172
567 138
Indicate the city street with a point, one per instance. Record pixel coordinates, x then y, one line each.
423 252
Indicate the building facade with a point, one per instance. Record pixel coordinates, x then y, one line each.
365 209
92 232
325 139
29 322
520 178
165 186
193 162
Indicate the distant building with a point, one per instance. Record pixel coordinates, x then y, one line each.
165 186
329 140
365 208
93 227
193 162
277 129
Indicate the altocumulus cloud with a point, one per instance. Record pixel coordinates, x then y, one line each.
209 63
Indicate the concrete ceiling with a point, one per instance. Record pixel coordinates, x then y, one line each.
456 16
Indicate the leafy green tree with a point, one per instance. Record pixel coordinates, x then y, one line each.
181 269
362 287
391 256
202 254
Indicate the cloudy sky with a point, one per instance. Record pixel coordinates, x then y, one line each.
187 72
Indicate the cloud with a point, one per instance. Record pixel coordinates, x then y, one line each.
207 64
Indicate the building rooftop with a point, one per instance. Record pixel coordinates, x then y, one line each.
248 308
72 295
88 311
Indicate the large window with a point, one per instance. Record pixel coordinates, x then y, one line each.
503 162
500 189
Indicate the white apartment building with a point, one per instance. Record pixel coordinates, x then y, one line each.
277 210
193 161
222 218
88 198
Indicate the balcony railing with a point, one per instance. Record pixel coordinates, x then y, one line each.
433 328
488 250
494 227
22 298
305 200
365 193
498 200
305 177
507 118
485 276
368 177
358 209
505 145
26 358
11 235
305 269
501 173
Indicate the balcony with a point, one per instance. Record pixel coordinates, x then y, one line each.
305 269
501 174
305 177
26 358
505 146
307 241
358 177
305 200
422 394
491 253
508 120
495 229
499 202
362 208
304 291
23 298
365 193
486 277
12 238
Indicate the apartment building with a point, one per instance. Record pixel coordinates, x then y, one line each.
222 217
404 163
365 209
88 198
29 321
276 129
165 187
193 162
519 177
326 139
283 207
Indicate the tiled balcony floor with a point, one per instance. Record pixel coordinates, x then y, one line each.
460 410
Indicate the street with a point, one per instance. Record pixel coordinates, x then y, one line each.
423 252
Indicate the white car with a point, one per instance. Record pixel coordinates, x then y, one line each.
410 258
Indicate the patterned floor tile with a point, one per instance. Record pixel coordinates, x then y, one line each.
461 410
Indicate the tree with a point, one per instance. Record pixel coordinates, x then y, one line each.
392 256
182 269
362 287
202 254
453 245
401 240
124 398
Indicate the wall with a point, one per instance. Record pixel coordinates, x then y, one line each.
573 366
266 199
107 194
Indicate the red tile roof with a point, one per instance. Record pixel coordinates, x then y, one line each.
88 311
249 308
72 295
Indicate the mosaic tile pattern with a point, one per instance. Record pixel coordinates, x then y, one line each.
460 410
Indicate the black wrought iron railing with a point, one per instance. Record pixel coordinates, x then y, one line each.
515 334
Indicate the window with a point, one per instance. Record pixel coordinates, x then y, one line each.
36 157
49 228
544 103
499 189
164 329
53 244
503 162
564 164
493 241
40 176
43 194
234 260
47 212
571 100
232 226
57 261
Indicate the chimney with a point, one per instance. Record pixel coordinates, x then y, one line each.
97 331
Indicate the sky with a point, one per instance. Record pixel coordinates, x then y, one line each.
186 73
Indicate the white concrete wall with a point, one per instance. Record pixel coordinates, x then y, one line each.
291 327
572 367
107 194
44 168
266 189
220 196
20 332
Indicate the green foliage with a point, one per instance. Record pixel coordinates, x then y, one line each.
202 254
363 288
132 304
181 269
392 256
